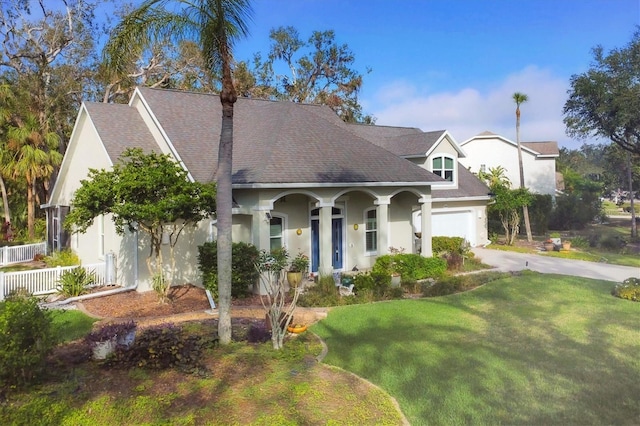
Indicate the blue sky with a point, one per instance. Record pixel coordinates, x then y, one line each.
454 64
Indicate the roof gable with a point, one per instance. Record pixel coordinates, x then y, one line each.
275 142
120 127
537 149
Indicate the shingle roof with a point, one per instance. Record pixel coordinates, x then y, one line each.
468 186
543 148
402 141
275 142
120 127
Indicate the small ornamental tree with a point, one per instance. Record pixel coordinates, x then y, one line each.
147 192
271 268
508 203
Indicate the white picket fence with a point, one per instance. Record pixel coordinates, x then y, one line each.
44 281
17 254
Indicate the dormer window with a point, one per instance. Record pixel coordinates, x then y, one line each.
443 167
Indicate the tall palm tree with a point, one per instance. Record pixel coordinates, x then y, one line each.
214 25
520 98
33 155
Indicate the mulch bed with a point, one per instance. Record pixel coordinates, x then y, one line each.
132 304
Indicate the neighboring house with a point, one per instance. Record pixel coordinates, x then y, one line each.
341 193
488 150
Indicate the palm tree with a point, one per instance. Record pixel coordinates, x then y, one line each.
520 98
33 156
214 25
496 176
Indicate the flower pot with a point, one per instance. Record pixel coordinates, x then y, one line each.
294 279
101 350
127 339
395 280
549 246
566 245
298 328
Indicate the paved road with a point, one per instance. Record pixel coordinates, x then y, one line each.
510 261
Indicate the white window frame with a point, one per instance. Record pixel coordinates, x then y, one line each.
443 169
368 231
283 219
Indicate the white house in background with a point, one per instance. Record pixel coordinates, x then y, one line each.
458 207
340 193
488 150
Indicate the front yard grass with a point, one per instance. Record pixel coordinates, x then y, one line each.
529 349
246 384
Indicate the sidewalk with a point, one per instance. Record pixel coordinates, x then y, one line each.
511 261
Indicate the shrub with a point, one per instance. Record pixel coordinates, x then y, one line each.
454 261
626 207
74 282
258 333
64 257
411 267
539 213
580 242
629 289
26 338
612 242
113 331
441 245
243 271
164 346
324 293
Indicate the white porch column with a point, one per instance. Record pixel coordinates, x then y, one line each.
425 222
326 248
260 235
382 214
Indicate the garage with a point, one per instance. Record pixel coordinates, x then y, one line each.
454 224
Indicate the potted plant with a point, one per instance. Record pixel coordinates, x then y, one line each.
297 268
548 245
566 245
104 341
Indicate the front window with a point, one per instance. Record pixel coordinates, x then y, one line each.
275 232
443 167
371 231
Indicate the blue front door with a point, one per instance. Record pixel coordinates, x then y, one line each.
336 241
315 244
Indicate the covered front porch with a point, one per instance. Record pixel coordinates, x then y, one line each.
338 228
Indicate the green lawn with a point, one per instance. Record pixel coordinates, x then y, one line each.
69 325
530 349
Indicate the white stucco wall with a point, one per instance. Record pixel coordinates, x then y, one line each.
539 173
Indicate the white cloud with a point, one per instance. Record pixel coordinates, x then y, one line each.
470 111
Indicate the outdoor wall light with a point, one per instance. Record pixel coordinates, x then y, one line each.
268 215
355 226
299 231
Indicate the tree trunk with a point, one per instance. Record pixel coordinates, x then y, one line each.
224 207
634 225
5 201
525 209
31 214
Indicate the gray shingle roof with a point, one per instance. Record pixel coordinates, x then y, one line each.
402 141
468 186
543 148
275 142
120 127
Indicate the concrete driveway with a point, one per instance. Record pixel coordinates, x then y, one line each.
510 261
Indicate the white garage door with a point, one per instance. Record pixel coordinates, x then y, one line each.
454 224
